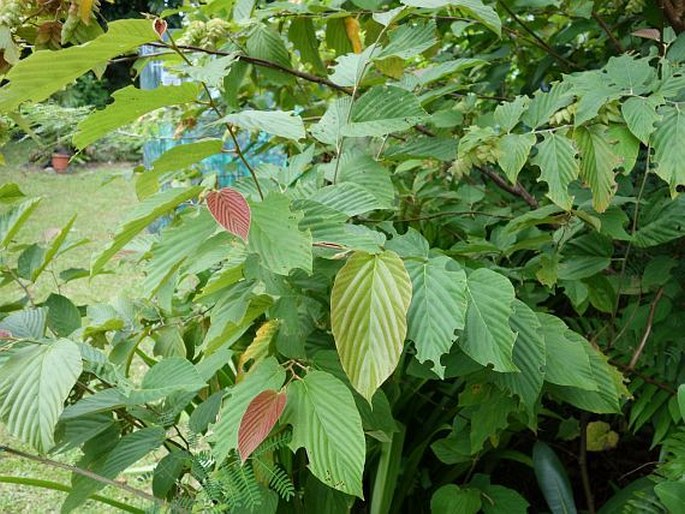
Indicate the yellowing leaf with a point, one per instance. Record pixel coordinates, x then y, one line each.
352 31
85 10
259 347
369 303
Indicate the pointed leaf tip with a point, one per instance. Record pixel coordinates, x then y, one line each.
230 209
260 417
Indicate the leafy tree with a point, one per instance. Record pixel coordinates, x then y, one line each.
475 244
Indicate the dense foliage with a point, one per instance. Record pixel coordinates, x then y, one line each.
463 291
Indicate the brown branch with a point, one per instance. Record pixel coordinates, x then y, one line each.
543 44
648 329
453 213
80 471
674 12
310 77
516 190
642 376
617 44
582 462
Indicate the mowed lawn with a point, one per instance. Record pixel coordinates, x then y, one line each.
100 203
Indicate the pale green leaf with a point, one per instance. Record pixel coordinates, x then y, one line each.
382 110
349 198
625 145
437 309
512 153
169 375
36 381
213 71
267 44
363 170
472 8
369 303
29 79
351 68
144 214
279 123
12 220
265 375
558 166
489 339
327 425
276 237
102 401
567 361
445 69
182 156
640 115
409 40
129 104
545 104
669 150
508 114
329 129
597 164
26 324
528 356
177 243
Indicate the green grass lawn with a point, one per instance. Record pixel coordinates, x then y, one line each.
99 209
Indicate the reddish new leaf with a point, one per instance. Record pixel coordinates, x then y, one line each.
259 418
5 334
231 211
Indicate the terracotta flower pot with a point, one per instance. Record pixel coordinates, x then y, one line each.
60 162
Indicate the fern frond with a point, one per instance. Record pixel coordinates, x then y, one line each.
279 480
273 443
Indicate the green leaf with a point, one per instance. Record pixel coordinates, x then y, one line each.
36 381
349 198
26 324
502 500
265 375
553 480
512 153
597 164
178 243
54 248
409 40
444 69
640 115
681 400
369 303
12 220
666 224
130 104
545 104
437 309
10 193
169 375
363 170
450 499
473 8
63 316
183 156
267 44
212 72
102 401
276 238
350 68
329 130
528 356
279 123
205 413
303 37
488 338
127 451
29 80
168 470
508 114
327 425
669 152
29 261
625 145
382 110
144 214
672 495
567 362
557 161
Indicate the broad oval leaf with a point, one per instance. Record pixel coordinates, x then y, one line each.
438 307
231 211
369 304
260 417
36 380
489 340
327 424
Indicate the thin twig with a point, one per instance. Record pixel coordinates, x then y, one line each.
517 190
16 279
582 462
218 112
642 376
264 64
648 329
537 38
453 213
617 44
80 471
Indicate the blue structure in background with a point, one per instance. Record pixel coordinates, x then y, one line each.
227 166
